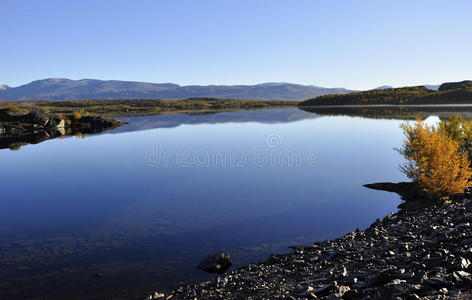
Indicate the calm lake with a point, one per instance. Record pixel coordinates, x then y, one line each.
140 206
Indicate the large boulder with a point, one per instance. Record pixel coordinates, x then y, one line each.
55 122
36 118
216 263
33 117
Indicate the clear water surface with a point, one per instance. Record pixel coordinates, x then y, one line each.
120 214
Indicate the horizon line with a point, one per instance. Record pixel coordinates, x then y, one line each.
254 84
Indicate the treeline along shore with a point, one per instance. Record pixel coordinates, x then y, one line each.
448 93
145 106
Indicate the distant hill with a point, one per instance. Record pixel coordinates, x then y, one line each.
67 89
448 93
433 87
384 87
3 87
428 86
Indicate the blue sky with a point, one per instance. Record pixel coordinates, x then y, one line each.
353 44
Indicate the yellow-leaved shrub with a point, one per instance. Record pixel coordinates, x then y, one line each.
77 116
435 160
459 130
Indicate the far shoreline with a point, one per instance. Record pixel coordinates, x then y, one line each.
387 105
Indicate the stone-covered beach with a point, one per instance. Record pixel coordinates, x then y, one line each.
424 251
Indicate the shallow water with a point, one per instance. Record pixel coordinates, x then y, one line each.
140 206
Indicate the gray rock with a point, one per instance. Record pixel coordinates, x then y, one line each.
436 282
219 262
383 277
324 290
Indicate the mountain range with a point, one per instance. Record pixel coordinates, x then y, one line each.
67 89
433 87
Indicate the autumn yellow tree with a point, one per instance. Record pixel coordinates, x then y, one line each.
435 160
460 130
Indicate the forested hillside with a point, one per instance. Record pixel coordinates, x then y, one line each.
448 93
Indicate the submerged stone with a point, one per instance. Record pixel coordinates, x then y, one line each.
219 262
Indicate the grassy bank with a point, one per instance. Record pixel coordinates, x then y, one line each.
144 106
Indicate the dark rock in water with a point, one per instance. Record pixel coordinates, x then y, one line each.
94 123
297 249
39 137
216 263
407 190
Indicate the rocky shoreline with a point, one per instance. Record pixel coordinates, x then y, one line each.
19 128
424 251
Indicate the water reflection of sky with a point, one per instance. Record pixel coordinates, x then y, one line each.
88 205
